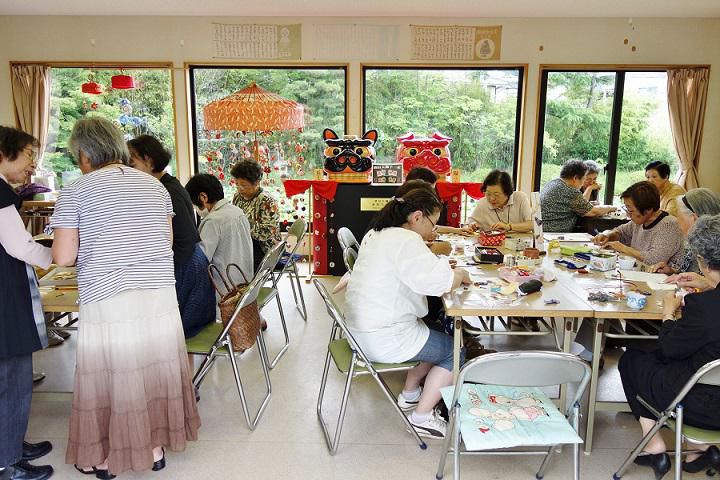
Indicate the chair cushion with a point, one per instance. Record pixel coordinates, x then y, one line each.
496 416
205 339
342 355
266 294
699 435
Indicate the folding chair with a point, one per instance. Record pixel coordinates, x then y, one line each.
517 369
288 265
350 360
214 341
349 258
672 417
266 294
347 239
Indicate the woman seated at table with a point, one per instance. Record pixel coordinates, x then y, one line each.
658 173
386 298
192 285
562 203
259 206
501 208
590 188
683 347
690 207
652 236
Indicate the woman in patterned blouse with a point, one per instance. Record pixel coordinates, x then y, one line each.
259 206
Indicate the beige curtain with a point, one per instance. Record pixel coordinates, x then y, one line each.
31 95
687 98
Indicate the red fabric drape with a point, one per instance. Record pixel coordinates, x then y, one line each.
451 193
324 188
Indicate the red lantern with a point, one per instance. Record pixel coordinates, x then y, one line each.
122 82
93 88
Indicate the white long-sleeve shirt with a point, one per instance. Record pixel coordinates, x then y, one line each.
17 242
386 295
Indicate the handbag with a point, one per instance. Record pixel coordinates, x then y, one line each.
246 327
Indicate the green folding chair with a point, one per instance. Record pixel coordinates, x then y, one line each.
349 258
350 360
672 417
297 231
267 294
347 239
517 369
214 341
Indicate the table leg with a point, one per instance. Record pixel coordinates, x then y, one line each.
568 327
592 398
457 345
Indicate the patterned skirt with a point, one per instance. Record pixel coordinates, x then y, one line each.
133 386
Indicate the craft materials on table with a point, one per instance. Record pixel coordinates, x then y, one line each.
488 255
655 281
575 237
491 238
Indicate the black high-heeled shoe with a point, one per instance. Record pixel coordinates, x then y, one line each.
709 458
659 462
160 464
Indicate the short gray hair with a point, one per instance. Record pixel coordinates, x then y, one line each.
592 167
702 201
100 140
704 240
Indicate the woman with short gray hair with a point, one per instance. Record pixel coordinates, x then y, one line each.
689 208
684 346
132 395
590 188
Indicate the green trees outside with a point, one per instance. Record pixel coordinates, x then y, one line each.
475 107
145 109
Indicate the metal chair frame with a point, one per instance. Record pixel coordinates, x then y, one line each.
359 359
223 347
672 417
297 230
529 369
268 264
347 239
349 258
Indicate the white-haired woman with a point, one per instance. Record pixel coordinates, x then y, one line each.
688 208
684 346
132 395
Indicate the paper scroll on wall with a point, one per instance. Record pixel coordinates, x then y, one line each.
455 42
270 42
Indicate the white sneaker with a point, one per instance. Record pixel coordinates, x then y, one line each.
433 427
407 405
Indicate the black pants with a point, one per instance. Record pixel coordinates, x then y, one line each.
15 394
258 254
643 374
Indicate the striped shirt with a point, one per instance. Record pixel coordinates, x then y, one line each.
125 239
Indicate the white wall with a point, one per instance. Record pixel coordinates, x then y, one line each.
565 41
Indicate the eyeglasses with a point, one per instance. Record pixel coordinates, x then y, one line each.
30 153
434 227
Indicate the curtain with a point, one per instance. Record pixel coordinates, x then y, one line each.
687 98
31 95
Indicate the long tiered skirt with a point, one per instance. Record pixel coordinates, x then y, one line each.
133 388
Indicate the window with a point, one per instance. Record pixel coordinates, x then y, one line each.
146 109
618 118
479 107
287 154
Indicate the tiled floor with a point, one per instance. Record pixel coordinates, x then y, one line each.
288 442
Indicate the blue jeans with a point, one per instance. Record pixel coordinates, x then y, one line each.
438 349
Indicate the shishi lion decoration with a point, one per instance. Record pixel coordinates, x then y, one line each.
349 159
429 152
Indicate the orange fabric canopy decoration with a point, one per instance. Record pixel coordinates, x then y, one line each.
253 109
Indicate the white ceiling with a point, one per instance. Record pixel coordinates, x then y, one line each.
370 8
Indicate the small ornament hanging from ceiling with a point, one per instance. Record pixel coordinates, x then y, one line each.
122 81
91 86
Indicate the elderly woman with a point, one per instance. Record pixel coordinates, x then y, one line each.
502 208
690 207
132 396
590 188
684 346
652 236
658 173
192 285
259 206
22 326
562 203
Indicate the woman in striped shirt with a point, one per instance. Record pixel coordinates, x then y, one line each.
132 395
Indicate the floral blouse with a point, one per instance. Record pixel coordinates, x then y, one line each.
262 212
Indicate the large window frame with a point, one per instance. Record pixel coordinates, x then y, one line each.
119 65
192 110
522 69
615 120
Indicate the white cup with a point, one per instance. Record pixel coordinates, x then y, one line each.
626 263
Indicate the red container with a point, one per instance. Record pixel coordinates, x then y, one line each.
491 238
93 88
122 82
